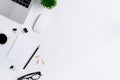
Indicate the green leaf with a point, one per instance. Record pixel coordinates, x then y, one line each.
49 3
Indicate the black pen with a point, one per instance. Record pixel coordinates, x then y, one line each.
31 57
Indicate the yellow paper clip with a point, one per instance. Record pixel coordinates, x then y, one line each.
37 56
42 61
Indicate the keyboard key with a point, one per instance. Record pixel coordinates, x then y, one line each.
24 3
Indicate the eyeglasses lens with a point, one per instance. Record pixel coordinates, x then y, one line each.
35 77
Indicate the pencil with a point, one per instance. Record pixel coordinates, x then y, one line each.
31 57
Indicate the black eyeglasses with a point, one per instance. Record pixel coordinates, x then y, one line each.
31 76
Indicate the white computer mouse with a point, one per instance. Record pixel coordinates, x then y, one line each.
41 23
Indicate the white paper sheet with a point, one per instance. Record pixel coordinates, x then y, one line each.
23 48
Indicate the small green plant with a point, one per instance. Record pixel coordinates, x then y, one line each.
48 3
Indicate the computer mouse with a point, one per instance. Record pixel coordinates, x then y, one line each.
41 23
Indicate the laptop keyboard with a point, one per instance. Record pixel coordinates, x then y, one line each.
24 3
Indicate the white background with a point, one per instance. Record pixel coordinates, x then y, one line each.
82 41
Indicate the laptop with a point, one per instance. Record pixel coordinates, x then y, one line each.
16 10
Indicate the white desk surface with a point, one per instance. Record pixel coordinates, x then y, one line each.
82 42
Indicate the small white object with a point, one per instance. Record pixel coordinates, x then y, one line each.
40 23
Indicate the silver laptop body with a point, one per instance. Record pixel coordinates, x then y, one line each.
15 11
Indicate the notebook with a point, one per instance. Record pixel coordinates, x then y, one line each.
24 47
